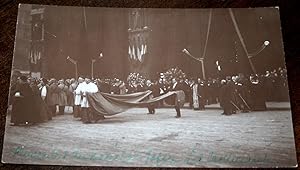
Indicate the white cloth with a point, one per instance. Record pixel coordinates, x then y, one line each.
44 92
17 94
77 100
174 85
87 88
195 96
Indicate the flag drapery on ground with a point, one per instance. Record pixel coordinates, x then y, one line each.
111 104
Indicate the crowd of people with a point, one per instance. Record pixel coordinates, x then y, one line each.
41 99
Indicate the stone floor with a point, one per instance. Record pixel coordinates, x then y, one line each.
133 138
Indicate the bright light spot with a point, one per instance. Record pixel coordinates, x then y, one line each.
266 43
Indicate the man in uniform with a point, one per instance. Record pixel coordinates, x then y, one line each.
53 99
62 96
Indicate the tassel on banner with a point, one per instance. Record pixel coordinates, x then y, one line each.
35 57
145 49
133 53
31 57
139 54
142 50
39 57
129 52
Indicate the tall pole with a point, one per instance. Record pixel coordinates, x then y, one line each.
198 59
241 39
75 63
203 70
93 61
207 34
76 70
92 69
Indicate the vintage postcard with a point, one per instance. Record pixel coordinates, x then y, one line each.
144 87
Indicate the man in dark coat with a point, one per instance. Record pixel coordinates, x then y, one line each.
150 86
53 100
22 106
44 92
227 97
258 102
175 87
201 94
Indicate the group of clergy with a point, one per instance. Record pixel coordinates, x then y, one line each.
36 101
81 105
72 93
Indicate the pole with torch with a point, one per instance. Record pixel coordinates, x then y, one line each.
249 55
93 61
75 63
197 59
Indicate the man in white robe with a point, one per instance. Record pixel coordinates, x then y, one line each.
77 99
88 87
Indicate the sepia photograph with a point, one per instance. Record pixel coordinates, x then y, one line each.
149 87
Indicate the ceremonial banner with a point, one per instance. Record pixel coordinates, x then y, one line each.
110 104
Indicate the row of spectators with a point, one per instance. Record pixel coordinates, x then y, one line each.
235 92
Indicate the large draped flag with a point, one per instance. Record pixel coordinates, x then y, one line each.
111 104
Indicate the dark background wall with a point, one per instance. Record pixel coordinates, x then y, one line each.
83 32
289 22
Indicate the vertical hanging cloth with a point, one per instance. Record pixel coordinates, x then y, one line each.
129 52
133 53
138 54
142 50
145 49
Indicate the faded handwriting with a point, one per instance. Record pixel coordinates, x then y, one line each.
196 157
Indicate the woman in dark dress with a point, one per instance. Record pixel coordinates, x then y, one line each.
22 106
